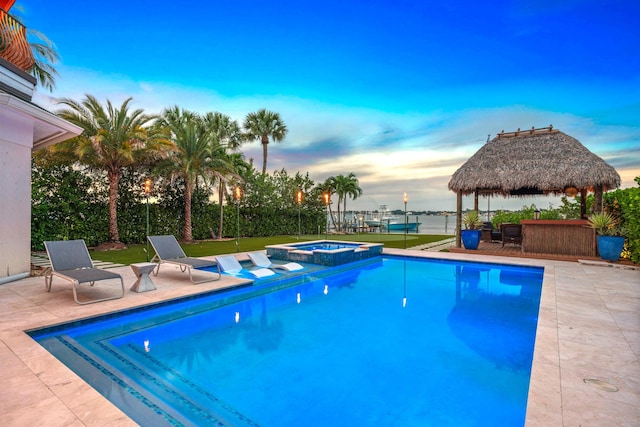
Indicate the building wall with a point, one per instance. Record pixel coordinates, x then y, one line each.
16 140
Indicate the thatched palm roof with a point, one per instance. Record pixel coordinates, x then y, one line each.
536 161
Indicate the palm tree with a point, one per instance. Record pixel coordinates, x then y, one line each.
347 186
228 137
343 186
112 139
197 154
263 125
226 130
44 55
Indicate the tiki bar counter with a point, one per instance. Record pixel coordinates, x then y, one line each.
561 237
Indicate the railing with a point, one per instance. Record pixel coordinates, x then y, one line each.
531 131
14 46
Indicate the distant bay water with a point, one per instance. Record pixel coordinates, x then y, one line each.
430 224
434 224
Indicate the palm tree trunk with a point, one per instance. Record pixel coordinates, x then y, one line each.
265 144
333 219
344 212
186 232
339 223
114 179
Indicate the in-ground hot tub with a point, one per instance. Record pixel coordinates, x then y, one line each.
325 252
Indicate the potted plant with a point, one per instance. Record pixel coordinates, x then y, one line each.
471 234
609 235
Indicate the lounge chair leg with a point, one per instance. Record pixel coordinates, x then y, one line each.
75 294
48 278
204 280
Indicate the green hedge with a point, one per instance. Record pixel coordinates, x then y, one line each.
69 202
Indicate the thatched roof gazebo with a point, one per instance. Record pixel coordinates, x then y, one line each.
533 162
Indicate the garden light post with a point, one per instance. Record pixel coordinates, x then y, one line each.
299 199
406 199
147 191
238 194
327 201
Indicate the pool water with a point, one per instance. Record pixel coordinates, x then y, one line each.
389 341
323 246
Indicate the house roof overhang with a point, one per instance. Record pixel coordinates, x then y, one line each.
48 129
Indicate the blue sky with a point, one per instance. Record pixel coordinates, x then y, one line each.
401 93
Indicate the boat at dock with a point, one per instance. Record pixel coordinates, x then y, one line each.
383 218
389 222
400 226
382 222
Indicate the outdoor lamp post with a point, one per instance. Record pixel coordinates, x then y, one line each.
238 194
147 191
299 199
327 201
406 199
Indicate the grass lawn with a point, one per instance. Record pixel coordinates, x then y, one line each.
137 253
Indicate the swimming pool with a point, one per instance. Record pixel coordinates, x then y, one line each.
388 341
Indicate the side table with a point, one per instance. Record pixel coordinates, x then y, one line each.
144 282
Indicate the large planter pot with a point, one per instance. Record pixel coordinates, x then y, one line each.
610 247
471 238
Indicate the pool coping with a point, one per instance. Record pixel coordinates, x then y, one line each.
593 334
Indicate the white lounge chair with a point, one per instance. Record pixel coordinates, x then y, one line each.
168 251
229 264
70 260
260 259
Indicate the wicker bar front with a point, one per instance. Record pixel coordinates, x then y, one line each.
563 237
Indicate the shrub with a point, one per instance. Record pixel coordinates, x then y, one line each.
625 204
527 212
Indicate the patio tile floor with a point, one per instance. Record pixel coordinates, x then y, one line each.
588 329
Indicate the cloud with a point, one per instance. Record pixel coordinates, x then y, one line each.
390 153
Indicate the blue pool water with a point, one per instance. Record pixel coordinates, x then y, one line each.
388 341
323 246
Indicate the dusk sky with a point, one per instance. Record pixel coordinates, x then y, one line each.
400 93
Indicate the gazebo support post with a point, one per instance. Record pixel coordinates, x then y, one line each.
475 200
583 203
597 200
458 218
